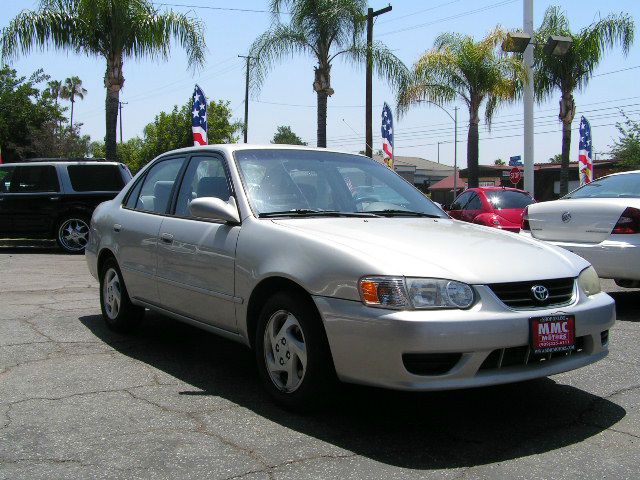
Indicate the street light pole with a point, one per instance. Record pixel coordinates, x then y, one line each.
246 98
120 115
371 14
455 152
527 15
438 152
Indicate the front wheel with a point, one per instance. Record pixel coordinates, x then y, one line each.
292 353
117 310
73 233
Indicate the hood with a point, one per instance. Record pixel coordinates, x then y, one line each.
440 248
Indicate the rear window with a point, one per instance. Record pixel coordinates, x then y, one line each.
502 199
615 186
95 178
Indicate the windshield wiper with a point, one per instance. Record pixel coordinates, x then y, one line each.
307 212
403 213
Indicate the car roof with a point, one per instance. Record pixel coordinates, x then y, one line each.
70 162
490 189
233 147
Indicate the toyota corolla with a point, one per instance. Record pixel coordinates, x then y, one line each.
330 266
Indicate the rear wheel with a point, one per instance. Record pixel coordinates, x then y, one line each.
73 233
117 310
292 353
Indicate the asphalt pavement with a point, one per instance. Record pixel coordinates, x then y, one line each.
171 401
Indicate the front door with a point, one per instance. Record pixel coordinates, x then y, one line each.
196 257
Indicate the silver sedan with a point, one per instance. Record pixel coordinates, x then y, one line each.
332 267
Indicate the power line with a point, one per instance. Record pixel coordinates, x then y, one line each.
452 17
615 71
206 7
418 12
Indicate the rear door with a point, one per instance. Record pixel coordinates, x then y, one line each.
137 226
196 257
6 220
34 200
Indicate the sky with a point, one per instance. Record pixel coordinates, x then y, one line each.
287 96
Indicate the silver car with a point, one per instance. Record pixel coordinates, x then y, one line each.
330 266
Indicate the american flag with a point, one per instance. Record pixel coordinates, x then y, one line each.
387 135
199 117
585 160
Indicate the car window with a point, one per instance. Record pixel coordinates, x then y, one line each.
204 177
133 195
615 186
502 199
95 178
5 178
474 203
35 179
156 189
290 180
460 202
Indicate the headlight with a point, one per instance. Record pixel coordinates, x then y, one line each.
589 281
416 293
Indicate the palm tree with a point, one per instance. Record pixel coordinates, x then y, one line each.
573 70
457 67
112 29
325 30
71 89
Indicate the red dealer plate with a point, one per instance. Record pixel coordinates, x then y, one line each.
553 333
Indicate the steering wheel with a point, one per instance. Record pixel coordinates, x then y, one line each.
360 200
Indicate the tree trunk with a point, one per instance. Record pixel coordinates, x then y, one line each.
567 112
71 118
322 86
113 81
472 148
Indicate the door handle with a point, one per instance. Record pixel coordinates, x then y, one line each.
54 198
166 237
117 227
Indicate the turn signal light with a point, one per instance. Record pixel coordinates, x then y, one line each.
525 220
629 222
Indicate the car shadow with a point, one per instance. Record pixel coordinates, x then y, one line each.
411 430
627 305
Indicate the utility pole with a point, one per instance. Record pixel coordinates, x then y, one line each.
438 152
527 19
371 14
246 97
120 115
455 152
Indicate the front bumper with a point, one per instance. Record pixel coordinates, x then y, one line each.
368 344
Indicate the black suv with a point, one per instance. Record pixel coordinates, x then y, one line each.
54 198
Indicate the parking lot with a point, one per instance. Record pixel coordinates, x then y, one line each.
170 401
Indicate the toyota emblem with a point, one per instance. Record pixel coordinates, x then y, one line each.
566 217
540 292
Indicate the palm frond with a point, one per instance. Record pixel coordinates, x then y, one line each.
272 46
385 64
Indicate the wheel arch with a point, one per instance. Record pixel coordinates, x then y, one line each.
105 253
263 291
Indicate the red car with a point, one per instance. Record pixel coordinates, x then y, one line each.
496 207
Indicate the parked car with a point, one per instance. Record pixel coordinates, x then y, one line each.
599 221
55 199
492 206
279 248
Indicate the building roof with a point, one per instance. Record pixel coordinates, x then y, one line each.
417 162
447 184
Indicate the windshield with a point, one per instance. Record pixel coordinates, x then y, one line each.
615 186
307 182
503 199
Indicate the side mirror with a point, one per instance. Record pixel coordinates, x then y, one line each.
215 209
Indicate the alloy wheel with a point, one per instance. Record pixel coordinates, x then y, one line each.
112 293
73 234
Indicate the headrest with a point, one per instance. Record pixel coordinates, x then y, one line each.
162 189
213 187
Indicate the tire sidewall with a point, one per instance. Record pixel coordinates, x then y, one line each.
129 315
319 375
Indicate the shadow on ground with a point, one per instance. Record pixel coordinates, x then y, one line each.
627 305
411 430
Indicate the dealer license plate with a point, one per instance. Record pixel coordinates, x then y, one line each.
553 333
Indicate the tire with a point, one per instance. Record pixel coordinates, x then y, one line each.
289 328
72 233
118 312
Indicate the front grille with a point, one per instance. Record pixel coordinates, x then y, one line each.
430 363
513 356
519 294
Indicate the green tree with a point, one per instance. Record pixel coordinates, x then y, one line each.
324 30
51 141
457 67
111 29
286 136
24 110
71 90
557 158
499 162
572 71
627 147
